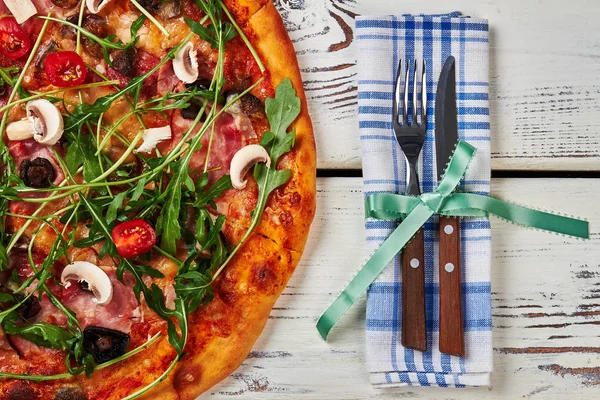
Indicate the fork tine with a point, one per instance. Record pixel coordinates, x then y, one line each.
415 95
397 91
405 105
424 96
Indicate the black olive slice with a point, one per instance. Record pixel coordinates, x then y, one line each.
192 111
104 344
122 61
150 5
37 173
68 32
30 308
96 25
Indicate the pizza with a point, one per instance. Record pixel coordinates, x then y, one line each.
157 190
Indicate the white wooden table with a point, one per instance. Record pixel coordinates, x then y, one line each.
545 110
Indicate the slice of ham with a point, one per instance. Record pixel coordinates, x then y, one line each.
119 314
8 355
29 149
115 75
19 261
168 81
29 350
143 63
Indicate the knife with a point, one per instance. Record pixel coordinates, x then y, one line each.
446 136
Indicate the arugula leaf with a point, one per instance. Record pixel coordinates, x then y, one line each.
88 241
135 27
81 149
156 301
139 189
5 297
205 33
268 180
207 231
113 208
40 333
218 32
205 196
194 288
228 31
8 76
148 270
168 222
281 111
99 224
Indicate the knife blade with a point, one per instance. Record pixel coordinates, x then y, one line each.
446 137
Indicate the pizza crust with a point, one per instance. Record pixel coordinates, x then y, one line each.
222 334
290 210
250 285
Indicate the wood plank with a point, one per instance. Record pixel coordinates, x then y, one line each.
546 302
544 87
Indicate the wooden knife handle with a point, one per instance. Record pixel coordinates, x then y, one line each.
451 315
414 334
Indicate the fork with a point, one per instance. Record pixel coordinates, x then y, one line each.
410 137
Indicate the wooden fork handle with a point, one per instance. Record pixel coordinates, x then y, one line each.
451 317
414 334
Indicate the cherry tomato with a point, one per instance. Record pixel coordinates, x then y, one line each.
133 238
65 69
14 42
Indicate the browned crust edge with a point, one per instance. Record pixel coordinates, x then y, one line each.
269 36
278 254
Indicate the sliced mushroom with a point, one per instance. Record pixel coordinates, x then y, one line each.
185 64
97 281
44 123
22 10
94 6
152 137
243 160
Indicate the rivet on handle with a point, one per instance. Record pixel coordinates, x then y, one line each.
448 230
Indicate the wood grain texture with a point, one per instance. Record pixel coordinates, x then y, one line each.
546 303
452 339
544 78
414 333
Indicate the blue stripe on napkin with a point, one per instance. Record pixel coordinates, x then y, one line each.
381 42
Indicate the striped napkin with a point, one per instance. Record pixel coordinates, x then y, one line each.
381 42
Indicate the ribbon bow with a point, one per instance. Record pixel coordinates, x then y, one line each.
415 211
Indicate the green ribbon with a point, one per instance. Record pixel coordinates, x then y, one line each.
415 211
